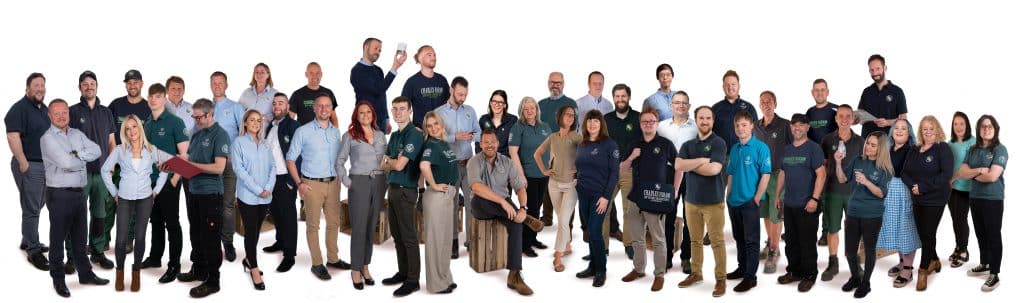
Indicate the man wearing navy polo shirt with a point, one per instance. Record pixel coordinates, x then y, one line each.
26 123
882 99
726 109
749 170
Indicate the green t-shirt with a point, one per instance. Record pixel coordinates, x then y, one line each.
206 145
442 161
984 157
409 142
864 204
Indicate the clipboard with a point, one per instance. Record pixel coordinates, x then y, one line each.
182 167
864 116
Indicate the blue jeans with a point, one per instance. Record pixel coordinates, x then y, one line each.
588 208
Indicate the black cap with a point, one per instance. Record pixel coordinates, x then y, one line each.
799 118
86 74
132 75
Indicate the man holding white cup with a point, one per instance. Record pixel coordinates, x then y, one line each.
370 83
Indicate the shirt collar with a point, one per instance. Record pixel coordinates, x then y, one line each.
363 62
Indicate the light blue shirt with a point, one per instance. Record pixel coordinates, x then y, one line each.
62 168
183 111
588 102
747 165
661 102
254 166
228 114
135 180
318 147
463 119
260 101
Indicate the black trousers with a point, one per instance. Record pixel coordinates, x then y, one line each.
282 210
670 229
858 229
536 189
927 219
959 207
801 242
252 220
401 220
205 219
165 217
988 227
487 210
746 230
69 218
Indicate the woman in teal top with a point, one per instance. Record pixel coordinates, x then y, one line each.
439 170
984 166
960 142
872 173
526 135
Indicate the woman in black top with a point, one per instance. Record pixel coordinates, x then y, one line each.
597 173
499 119
927 173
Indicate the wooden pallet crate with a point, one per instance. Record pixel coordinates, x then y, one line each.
383 231
488 245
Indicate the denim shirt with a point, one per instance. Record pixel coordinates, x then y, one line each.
254 165
462 119
229 114
135 181
318 147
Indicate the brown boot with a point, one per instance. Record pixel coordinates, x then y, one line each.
934 266
659 282
922 279
119 280
533 224
515 281
135 280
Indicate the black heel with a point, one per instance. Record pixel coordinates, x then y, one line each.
368 281
359 285
248 269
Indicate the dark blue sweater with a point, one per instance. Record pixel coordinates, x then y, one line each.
371 85
597 167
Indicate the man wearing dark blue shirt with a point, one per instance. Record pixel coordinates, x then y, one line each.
369 82
26 123
802 178
882 99
426 89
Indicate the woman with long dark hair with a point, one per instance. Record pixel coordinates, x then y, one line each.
498 119
984 166
597 163
960 141
363 145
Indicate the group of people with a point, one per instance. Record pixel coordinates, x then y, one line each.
265 150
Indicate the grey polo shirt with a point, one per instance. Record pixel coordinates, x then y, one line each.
498 178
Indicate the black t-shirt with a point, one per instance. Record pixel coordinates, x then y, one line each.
655 164
823 121
302 100
121 108
31 120
799 164
829 146
888 103
705 189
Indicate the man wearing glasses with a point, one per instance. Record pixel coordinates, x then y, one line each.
679 129
661 100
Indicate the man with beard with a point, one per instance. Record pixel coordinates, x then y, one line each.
369 82
461 125
426 89
548 110
26 123
881 99
282 206
624 129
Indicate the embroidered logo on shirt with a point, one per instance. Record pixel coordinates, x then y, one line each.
657 150
629 127
888 98
748 160
615 154
287 139
224 148
409 148
206 142
988 156
593 152
426 153
707 148
928 159
775 135
1002 159
81 120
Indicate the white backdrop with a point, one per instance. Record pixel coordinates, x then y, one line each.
946 57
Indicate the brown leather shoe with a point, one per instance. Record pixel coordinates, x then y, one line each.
934 266
691 280
788 278
632 275
515 282
922 278
659 282
805 285
135 280
719 289
119 280
533 224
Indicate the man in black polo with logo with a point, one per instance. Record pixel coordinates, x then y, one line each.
26 123
403 152
301 105
881 99
623 128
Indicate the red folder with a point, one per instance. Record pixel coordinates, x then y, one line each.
182 167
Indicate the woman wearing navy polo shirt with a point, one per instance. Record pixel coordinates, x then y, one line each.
927 173
872 173
597 164
984 166
500 120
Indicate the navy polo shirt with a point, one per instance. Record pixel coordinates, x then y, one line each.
888 102
799 164
777 136
31 120
97 123
712 188
121 108
724 113
624 131
656 163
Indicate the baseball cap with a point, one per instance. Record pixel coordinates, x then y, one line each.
800 118
86 74
132 75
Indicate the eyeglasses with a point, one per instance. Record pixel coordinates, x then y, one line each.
986 126
198 117
497 102
648 122
682 103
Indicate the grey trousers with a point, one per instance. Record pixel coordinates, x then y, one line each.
31 189
437 214
636 221
467 195
227 230
365 197
126 210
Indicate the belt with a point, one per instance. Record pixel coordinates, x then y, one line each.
462 162
324 180
376 172
74 189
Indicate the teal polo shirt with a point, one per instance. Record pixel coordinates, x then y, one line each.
442 161
747 164
409 143
206 145
165 132
984 157
528 138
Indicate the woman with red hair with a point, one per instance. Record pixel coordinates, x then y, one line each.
363 146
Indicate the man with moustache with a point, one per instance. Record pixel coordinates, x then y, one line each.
426 89
26 123
131 104
548 110
370 83
280 132
802 178
882 99
624 129
460 123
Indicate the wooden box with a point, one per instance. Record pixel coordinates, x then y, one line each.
488 248
678 237
383 230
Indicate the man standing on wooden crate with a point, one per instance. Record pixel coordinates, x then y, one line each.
490 176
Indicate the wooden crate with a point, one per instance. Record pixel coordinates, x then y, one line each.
383 231
268 222
678 237
488 248
419 224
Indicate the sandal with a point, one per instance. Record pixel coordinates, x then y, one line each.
901 280
960 259
894 271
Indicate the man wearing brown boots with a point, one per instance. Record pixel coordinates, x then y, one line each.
491 175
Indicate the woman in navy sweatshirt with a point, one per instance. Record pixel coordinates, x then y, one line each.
597 163
928 172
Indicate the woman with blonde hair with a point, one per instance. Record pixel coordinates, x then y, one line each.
134 194
252 159
899 232
927 173
260 93
439 171
524 138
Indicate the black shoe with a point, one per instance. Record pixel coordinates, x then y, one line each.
668 264
529 253
745 285
248 269
862 291
687 267
192 275
44 249
586 273
736 274
538 245
229 252
273 248
320 272
707 240
203 290
130 248
101 260
341 264
586 258
449 290
171 273
598 280
94 280
39 261
151 262
69 267
406 289
806 284
787 278
357 286
851 284
629 252
286 264
396 279
62 289
547 221
823 241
